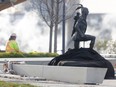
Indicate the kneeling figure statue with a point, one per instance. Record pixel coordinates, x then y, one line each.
79 28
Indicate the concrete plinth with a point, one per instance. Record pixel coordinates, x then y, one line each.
78 75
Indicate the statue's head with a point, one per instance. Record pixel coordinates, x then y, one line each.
85 11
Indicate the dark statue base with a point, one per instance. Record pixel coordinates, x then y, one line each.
84 57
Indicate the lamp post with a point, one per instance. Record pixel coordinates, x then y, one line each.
63 29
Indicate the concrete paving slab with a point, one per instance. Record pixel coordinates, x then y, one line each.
50 83
109 83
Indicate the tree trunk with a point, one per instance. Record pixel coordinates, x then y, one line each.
50 38
56 26
51 26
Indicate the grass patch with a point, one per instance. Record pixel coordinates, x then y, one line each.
10 84
23 55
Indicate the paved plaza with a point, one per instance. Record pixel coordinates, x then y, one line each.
48 83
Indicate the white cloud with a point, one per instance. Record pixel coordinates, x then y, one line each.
100 6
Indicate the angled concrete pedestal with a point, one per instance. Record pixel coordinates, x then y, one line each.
78 75
75 74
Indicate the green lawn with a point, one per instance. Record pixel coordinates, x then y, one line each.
10 84
25 55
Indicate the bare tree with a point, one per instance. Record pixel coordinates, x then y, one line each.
45 9
51 12
56 24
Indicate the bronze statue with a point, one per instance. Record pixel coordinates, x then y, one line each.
79 28
83 57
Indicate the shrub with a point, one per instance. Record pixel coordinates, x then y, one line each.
31 54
